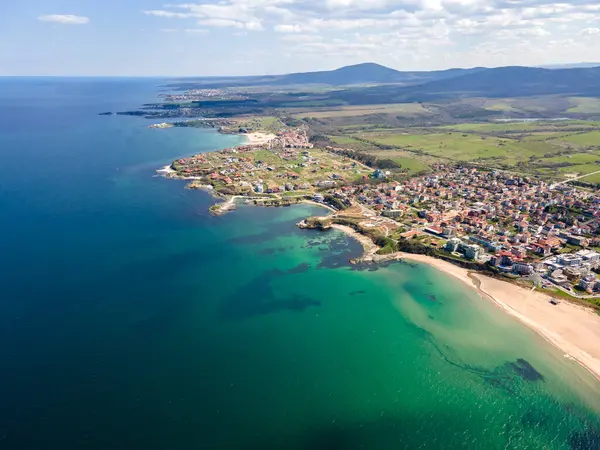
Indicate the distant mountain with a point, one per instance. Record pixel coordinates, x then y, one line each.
357 74
366 73
571 66
397 86
515 81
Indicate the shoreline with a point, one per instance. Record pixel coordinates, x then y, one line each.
165 170
571 328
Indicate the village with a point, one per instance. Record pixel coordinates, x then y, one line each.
285 165
517 225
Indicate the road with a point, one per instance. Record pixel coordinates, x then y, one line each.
573 179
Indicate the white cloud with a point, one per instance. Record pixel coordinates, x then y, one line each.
590 31
185 30
167 14
65 19
288 28
242 14
302 38
221 23
453 32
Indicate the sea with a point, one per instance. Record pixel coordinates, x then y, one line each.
130 318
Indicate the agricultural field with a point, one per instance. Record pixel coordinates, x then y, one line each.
454 146
354 111
498 105
579 169
594 179
585 105
591 139
405 160
575 158
560 149
343 140
547 105
525 126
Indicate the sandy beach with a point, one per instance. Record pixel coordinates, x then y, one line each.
166 169
258 138
369 247
573 329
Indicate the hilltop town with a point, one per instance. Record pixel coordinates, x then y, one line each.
487 219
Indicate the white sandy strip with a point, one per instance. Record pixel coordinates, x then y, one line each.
166 169
572 328
259 138
369 247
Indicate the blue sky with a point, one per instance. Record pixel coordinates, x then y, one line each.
236 37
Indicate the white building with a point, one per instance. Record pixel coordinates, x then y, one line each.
588 282
472 251
522 268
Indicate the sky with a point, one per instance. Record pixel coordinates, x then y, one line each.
254 37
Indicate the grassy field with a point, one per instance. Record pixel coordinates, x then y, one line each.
591 139
592 178
553 149
458 146
575 158
343 140
266 157
579 169
584 105
406 159
542 136
354 111
266 123
535 126
412 165
496 105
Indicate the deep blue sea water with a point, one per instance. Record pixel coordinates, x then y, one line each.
131 318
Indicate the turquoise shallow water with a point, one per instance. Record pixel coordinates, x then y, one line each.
130 318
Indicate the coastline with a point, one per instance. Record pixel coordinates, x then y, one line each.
573 329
